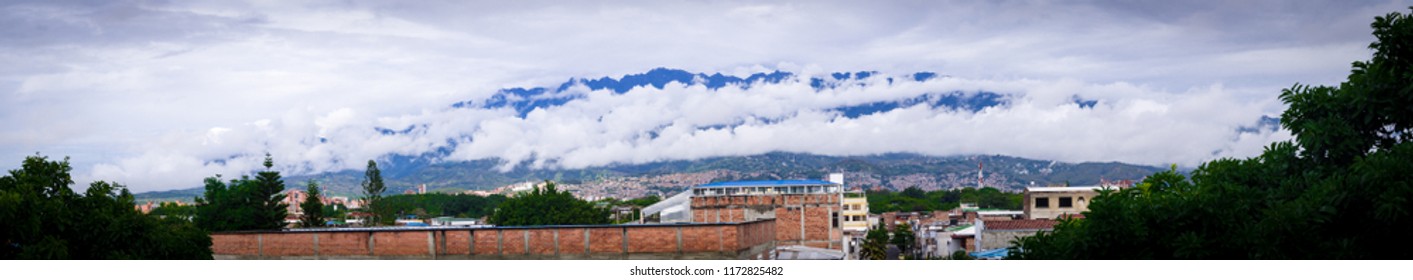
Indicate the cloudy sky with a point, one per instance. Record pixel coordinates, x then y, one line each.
158 95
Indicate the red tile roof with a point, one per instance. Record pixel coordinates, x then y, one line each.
1020 224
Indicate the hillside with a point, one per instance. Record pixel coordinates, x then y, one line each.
891 171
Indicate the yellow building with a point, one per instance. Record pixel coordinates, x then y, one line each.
855 212
1049 203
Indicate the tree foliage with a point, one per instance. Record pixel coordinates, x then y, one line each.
312 207
439 204
914 199
45 219
875 245
373 189
1340 190
903 238
243 204
547 206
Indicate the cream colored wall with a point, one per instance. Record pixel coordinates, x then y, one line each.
1054 211
857 208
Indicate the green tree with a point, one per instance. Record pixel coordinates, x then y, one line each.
243 204
547 206
903 238
1340 190
313 207
173 210
373 189
270 194
45 219
875 245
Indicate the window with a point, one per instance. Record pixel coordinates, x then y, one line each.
1042 202
1066 202
836 219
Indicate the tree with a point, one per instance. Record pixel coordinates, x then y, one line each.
270 193
174 210
547 206
903 238
45 219
1340 190
875 245
243 204
373 188
313 207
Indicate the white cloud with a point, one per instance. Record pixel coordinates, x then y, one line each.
151 93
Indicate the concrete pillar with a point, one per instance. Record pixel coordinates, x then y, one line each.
470 242
527 241
260 245
500 242
556 242
679 239
625 239
586 241
431 244
371 251
316 245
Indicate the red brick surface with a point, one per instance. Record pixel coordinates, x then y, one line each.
606 240
513 242
414 243
292 244
542 242
456 242
571 241
485 242
234 244
701 239
400 243
652 240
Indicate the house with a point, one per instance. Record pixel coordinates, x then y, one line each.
999 234
1049 203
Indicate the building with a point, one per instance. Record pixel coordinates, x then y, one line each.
855 213
806 212
993 235
1049 203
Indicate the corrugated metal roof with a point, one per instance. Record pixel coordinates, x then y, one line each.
776 183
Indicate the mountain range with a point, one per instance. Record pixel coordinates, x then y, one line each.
891 171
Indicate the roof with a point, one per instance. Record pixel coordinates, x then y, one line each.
776 183
993 254
1020 224
1068 189
797 252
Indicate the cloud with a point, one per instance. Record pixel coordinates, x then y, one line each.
128 87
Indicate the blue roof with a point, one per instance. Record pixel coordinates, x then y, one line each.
992 254
776 183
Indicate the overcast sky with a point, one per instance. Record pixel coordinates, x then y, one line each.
149 93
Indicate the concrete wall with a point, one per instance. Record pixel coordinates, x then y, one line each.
1079 202
996 239
745 240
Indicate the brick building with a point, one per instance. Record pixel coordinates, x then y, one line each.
806 212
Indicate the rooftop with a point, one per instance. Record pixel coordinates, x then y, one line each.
775 183
1020 224
1069 189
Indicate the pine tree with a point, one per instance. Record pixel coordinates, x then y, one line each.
373 188
313 207
269 197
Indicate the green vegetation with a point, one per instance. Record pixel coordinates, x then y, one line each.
373 189
1340 190
640 203
172 210
875 245
547 206
903 238
914 199
438 204
313 207
243 204
45 219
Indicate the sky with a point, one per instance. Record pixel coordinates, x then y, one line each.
160 94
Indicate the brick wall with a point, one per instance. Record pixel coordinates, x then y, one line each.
684 241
